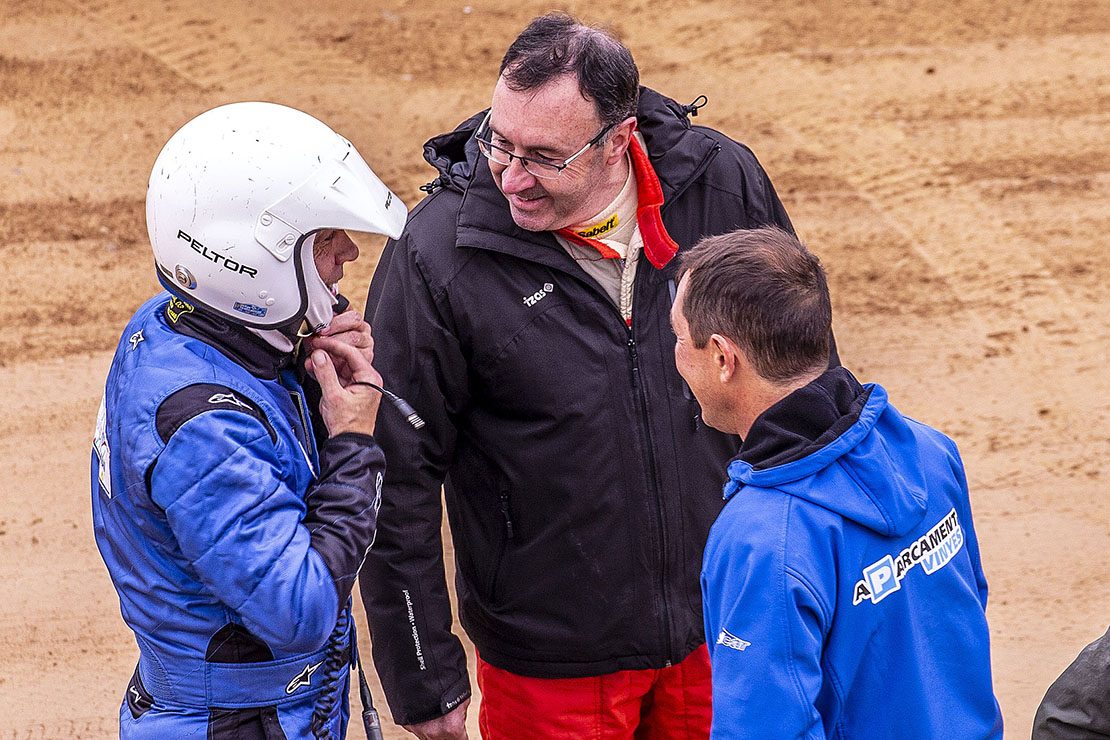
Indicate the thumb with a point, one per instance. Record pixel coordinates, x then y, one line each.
325 373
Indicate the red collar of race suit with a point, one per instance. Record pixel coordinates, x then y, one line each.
658 245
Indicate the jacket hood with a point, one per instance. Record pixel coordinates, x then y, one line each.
817 444
454 154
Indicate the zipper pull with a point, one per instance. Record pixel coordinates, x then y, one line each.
635 357
505 515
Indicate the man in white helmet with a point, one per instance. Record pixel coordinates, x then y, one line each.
232 526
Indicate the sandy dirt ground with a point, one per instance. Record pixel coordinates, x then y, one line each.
950 163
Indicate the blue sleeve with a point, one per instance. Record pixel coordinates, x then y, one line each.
765 628
964 502
239 524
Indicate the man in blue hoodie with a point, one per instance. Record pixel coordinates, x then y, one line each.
843 592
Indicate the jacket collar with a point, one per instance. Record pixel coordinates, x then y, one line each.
244 348
803 424
805 421
658 245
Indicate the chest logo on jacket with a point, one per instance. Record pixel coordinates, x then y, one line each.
933 550
539 295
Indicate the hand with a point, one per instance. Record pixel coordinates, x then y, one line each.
451 726
346 406
346 328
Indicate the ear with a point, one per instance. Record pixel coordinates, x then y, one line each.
726 357
620 139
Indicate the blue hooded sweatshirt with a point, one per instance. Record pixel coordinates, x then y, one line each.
843 592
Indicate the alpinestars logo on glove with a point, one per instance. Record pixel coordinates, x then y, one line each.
933 550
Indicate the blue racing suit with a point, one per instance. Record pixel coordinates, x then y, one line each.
233 541
843 592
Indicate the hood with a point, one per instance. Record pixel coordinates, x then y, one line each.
842 446
454 155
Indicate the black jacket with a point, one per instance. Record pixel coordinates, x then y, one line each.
1077 704
579 478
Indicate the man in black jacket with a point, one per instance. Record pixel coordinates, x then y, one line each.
524 313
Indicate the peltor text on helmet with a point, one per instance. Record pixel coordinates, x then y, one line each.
220 259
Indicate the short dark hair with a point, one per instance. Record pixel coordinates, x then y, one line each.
765 291
556 44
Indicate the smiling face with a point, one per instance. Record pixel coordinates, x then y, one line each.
552 123
331 249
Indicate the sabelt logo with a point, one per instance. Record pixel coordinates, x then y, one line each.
599 229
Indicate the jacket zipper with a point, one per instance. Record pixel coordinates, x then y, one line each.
499 560
307 444
642 403
653 482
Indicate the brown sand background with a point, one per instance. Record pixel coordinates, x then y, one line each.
949 161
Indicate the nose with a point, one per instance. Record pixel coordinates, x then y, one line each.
516 179
345 248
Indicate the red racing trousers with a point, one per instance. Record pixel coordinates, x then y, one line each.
674 703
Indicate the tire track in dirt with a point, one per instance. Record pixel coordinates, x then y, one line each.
254 52
996 260
958 170
380 60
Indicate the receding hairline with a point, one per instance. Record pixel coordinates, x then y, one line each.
578 34
559 43
557 144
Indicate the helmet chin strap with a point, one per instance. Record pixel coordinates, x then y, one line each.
324 302
322 298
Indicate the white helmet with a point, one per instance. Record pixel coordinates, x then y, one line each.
232 198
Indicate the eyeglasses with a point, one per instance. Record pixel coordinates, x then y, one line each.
536 166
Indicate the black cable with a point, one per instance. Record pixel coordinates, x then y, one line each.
402 405
370 721
334 664
335 661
